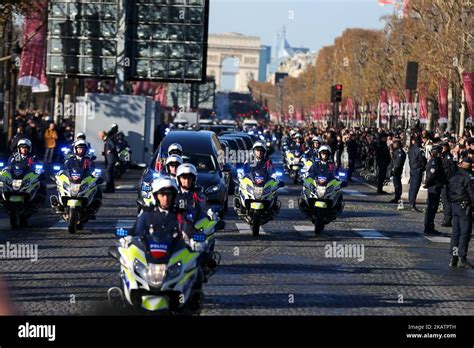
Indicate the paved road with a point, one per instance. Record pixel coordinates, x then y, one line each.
285 271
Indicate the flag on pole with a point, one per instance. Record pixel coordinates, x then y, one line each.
33 55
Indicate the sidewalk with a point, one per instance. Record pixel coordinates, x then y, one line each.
420 199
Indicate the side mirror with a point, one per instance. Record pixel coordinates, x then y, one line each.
220 225
227 168
113 251
281 184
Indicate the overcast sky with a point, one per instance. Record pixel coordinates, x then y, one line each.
314 23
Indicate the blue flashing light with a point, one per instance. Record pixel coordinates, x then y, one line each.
121 232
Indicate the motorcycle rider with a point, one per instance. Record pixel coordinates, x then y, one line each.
23 156
172 164
24 159
260 162
190 197
81 161
165 215
82 136
313 152
325 166
298 144
175 149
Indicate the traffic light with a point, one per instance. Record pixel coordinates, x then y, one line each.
336 94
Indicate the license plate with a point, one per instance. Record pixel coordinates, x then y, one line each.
258 206
16 199
154 303
323 205
73 203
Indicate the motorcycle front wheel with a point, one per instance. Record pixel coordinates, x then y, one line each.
14 217
318 224
295 180
256 224
73 217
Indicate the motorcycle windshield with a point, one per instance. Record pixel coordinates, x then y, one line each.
259 178
160 246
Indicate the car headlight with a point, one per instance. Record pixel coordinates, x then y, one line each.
156 274
174 270
212 189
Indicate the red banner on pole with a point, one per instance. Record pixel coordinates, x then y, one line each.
468 78
443 101
33 55
423 95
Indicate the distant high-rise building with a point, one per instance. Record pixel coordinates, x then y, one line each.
283 51
265 59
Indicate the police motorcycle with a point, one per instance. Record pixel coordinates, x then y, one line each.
161 269
79 196
294 163
321 198
21 193
159 273
124 157
270 141
256 201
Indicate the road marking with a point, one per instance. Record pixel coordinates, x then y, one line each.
97 225
246 229
369 233
127 187
436 239
304 228
354 193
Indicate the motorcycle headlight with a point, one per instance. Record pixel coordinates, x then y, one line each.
140 269
321 191
212 189
174 270
258 191
156 274
75 189
16 184
250 189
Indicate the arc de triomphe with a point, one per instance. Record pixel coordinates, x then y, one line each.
245 50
